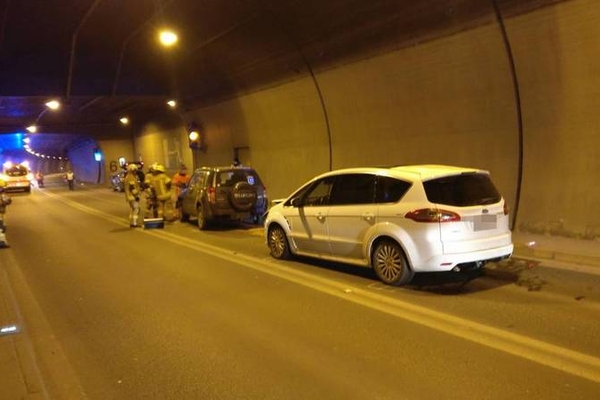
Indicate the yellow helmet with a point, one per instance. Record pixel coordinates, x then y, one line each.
159 168
132 167
2 185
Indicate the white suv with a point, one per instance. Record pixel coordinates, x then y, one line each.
398 221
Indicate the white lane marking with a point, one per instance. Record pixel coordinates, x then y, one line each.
560 358
29 367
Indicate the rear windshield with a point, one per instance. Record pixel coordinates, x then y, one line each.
462 190
16 171
230 178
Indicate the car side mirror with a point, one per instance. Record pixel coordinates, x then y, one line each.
296 202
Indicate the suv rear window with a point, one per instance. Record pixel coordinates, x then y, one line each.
462 190
230 178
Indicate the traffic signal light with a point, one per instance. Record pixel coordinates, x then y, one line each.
196 137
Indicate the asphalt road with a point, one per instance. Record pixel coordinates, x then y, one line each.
176 313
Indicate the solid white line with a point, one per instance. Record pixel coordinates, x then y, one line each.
24 349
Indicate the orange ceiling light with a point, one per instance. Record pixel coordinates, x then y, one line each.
168 38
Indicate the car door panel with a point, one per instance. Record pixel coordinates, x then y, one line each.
307 219
308 226
352 212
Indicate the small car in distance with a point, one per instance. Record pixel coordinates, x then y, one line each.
397 220
17 177
231 193
116 181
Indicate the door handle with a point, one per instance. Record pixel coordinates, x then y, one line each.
320 217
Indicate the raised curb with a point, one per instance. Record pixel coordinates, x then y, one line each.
557 255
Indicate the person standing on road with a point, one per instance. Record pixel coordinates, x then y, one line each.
151 203
180 180
133 190
70 176
39 177
161 184
4 201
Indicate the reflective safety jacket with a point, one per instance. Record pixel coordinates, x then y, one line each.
162 186
131 186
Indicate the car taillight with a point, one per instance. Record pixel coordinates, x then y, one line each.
432 215
505 208
211 195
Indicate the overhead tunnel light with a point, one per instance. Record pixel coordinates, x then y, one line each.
124 120
32 129
167 38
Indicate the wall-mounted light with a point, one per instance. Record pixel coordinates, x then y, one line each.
124 120
172 103
53 104
32 129
196 137
97 155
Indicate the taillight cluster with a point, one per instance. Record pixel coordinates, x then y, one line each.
211 195
505 208
432 215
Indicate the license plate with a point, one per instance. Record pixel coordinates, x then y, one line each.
485 222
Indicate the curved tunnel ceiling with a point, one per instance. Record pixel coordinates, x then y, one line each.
101 57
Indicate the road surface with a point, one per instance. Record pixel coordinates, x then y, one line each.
112 312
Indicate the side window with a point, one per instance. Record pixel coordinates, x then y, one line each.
193 179
353 189
198 179
318 194
391 190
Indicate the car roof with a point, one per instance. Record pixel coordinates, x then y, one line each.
226 168
411 172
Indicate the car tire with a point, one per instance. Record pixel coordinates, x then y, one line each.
279 247
201 219
390 264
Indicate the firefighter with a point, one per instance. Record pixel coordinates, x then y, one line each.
133 191
4 201
151 203
161 184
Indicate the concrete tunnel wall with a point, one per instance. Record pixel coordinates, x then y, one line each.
450 100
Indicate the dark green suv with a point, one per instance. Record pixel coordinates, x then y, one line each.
223 194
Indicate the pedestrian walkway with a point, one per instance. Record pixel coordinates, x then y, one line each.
557 248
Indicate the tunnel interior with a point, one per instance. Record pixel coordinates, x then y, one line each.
504 85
